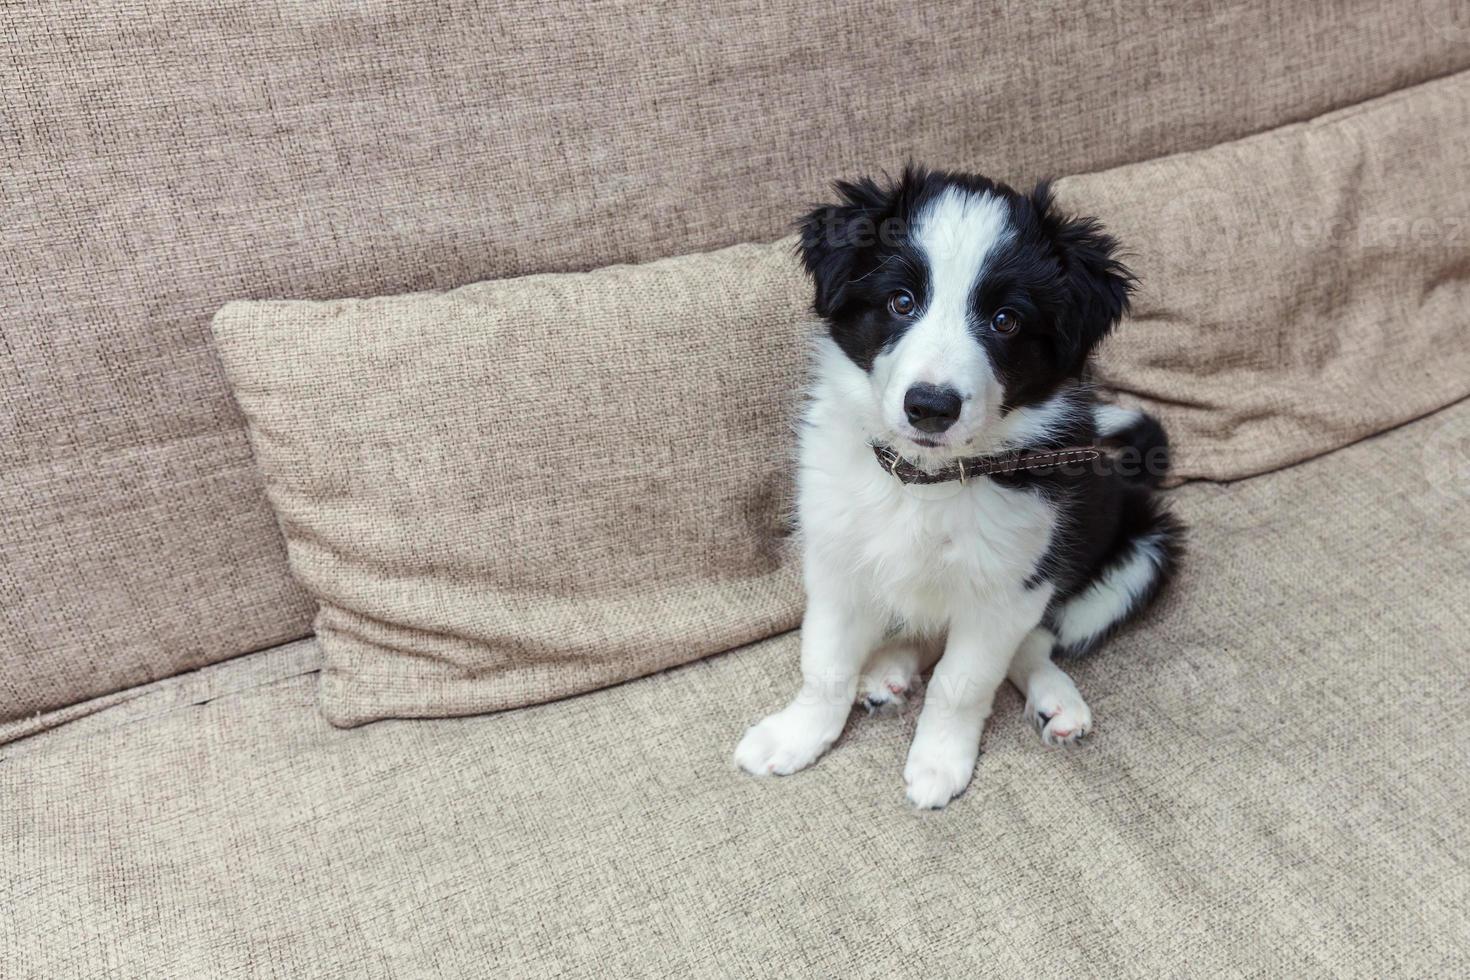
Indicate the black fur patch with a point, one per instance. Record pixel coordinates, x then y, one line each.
1062 276
1059 273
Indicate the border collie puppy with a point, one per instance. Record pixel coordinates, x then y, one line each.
959 485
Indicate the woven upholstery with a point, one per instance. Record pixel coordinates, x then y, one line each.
530 488
1298 289
161 160
1277 786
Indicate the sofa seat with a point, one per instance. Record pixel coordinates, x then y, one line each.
1279 784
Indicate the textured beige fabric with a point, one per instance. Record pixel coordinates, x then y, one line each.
1302 288
150 700
492 520
1277 787
160 160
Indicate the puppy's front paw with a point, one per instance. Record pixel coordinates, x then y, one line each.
787 741
1058 714
937 773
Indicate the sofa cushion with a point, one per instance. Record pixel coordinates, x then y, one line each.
1301 288
1277 786
532 487
160 161
528 488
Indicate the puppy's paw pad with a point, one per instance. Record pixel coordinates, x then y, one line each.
780 745
1063 719
883 699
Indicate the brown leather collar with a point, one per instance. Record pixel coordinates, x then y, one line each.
973 466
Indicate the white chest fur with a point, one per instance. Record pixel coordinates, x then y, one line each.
917 551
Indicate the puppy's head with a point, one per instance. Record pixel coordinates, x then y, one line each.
960 299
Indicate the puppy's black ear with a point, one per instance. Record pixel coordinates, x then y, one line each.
832 235
1099 285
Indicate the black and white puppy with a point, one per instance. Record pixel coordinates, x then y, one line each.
959 316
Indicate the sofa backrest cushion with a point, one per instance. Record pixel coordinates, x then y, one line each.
1300 289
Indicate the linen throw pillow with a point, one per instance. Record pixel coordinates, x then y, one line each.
1299 289
528 488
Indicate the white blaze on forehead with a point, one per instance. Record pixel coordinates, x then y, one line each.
957 232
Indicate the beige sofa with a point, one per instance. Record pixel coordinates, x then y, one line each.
1280 780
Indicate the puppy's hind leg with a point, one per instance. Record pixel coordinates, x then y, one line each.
1054 706
892 672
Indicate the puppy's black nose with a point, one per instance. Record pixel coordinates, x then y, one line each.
931 408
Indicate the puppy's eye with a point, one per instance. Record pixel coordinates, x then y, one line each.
902 303
1005 321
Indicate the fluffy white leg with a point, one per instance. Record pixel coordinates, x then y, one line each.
1053 704
836 637
979 649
